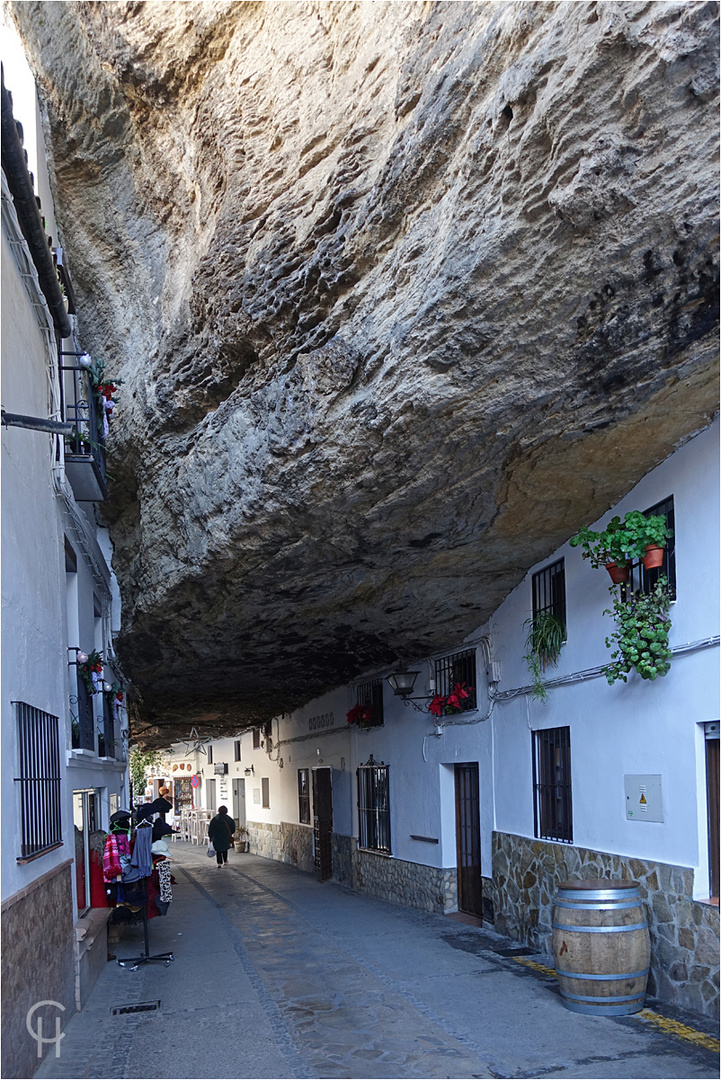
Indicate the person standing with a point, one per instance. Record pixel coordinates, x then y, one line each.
220 831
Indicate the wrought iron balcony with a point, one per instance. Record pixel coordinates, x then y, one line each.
85 448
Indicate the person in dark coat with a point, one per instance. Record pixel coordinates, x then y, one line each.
220 831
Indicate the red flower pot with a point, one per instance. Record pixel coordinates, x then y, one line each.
618 574
653 557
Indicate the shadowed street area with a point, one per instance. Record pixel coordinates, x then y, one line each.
276 975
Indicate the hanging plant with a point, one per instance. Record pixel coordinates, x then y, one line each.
546 637
459 700
622 541
90 670
362 715
640 639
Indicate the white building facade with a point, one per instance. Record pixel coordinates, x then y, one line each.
64 728
488 809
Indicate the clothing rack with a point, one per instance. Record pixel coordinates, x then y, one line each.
134 962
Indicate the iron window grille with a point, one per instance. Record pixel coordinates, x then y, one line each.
39 781
458 667
553 808
374 815
644 580
236 749
83 724
370 696
265 785
210 754
256 738
106 736
549 591
303 797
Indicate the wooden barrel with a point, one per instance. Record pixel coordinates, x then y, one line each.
601 947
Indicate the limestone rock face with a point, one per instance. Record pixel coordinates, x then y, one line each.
401 293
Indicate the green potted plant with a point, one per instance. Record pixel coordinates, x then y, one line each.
645 537
623 541
605 548
546 637
240 839
640 639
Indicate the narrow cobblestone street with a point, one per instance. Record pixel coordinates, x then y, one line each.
278 976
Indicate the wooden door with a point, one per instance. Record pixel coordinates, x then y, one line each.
468 840
322 824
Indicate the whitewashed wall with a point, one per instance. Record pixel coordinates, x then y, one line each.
638 727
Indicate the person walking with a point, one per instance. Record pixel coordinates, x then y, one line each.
220 831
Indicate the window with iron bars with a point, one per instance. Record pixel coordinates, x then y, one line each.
303 797
236 750
549 591
39 781
644 580
553 808
106 736
374 814
460 668
370 696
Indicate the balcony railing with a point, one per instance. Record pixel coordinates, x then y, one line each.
85 450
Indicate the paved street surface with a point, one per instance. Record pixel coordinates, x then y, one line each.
276 975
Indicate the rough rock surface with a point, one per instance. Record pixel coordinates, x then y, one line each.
402 294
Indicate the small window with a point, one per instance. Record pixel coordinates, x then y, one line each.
38 781
552 809
549 591
369 695
256 738
303 797
458 668
265 787
236 749
644 580
210 754
374 815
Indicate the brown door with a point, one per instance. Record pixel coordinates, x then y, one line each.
322 824
468 840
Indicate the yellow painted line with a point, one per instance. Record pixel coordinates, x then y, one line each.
536 966
681 1031
663 1023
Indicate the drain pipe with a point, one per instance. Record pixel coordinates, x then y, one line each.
21 188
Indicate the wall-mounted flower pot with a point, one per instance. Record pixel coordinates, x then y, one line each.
619 574
653 557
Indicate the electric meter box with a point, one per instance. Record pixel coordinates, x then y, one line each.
643 797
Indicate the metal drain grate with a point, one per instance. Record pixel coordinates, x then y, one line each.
136 1007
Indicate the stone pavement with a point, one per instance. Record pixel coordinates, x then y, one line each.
276 975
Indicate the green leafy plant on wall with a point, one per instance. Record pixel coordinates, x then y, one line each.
640 640
140 762
622 541
546 636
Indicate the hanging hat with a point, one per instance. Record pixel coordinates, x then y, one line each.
159 847
160 828
144 812
161 806
119 815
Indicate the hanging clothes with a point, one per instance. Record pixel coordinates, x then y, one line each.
111 859
164 875
141 861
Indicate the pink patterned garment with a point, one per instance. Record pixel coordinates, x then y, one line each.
111 859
